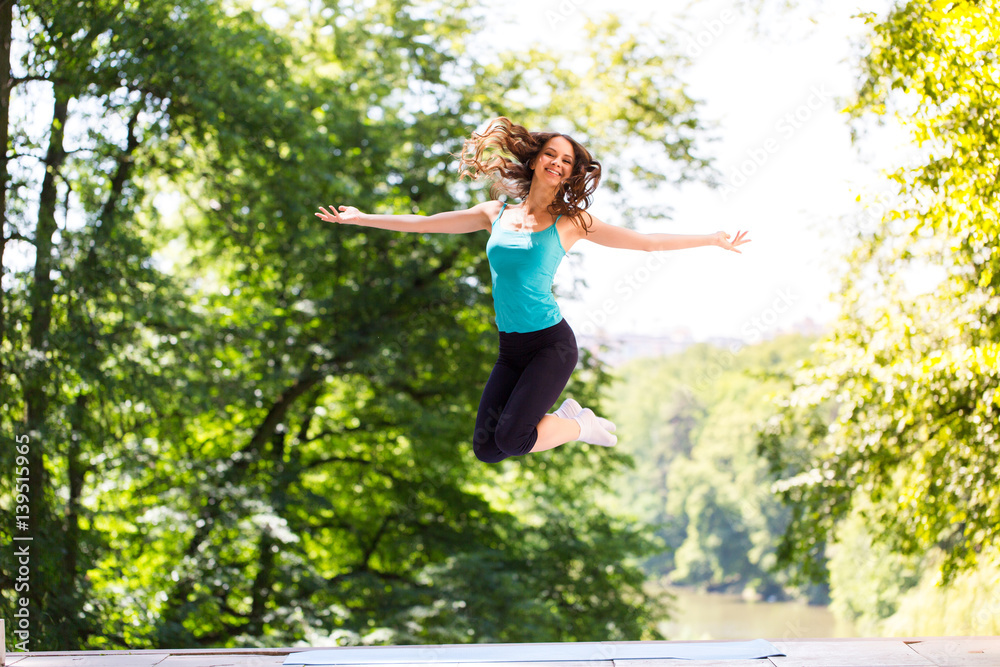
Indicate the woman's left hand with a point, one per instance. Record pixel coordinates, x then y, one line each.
721 239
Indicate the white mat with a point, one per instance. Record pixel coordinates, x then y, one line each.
575 651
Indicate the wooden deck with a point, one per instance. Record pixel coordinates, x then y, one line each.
911 652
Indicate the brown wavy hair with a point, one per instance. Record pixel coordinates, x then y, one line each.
513 177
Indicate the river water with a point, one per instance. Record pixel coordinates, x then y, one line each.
699 615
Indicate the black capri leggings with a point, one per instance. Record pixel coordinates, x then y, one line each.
531 371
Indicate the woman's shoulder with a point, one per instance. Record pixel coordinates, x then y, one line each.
579 225
493 207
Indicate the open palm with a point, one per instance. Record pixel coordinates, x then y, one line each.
347 215
722 240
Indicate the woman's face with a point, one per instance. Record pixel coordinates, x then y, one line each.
554 163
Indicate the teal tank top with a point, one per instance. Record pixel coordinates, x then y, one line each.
523 265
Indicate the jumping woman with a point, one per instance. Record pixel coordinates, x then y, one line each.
554 178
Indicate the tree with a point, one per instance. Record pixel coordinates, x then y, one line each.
692 417
898 418
88 379
247 427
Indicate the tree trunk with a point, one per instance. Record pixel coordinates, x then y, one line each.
47 585
6 23
111 210
77 470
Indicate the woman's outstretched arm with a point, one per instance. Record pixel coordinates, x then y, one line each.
619 237
451 222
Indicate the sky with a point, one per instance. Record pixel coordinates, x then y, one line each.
785 153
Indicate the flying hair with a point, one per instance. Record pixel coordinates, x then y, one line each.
483 156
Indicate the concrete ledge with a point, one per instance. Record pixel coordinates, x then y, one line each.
860 652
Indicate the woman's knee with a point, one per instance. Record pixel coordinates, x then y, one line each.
488 456
485 447
513 438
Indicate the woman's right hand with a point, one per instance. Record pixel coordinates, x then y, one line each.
347 215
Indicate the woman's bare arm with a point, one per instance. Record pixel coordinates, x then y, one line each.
611 236
451 222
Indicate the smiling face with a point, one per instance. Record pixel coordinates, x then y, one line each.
554 162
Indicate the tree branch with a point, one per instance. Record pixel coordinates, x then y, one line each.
329 431
18 80
17 236
336 459
14 155
370 551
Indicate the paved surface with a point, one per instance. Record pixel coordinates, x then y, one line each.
914 652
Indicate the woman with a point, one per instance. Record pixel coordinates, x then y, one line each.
554 177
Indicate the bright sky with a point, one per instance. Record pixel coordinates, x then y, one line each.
784 148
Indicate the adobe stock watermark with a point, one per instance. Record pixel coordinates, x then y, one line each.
873 214
626 287
784 129
753 331
693 41
707 32
498 432
985 621
21 625
605 654
563 11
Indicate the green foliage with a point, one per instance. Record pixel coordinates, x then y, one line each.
898 422
691 421
968 605
885 593
249 428
867 579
